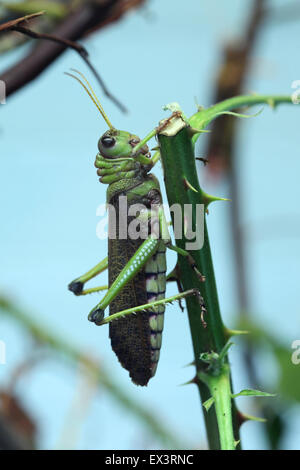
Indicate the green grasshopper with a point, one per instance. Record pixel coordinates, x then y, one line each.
136 267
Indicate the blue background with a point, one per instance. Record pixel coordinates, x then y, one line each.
50 191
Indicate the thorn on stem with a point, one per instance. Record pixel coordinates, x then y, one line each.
187 185
204 160
194 380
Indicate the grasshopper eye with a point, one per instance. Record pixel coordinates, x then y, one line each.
107 141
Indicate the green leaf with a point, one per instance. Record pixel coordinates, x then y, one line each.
252 393
240 115
208 403
225 350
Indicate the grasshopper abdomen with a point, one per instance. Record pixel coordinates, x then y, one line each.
136 340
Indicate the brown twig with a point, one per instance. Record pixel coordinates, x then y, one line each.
88 17
15 25
76 47
18 21
230 82
222 141
50 37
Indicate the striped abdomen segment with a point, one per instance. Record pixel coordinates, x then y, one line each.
155 274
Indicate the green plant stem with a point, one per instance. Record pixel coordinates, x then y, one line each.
220 389
177 155
203 117
59 346
179 164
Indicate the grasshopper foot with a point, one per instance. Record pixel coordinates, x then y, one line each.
96 316
76 287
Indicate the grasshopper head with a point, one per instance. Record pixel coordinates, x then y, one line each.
115 160
119 144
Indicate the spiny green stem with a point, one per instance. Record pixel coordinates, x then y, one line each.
179 163
220 389
202 118
177 154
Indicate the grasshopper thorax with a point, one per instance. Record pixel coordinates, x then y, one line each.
116 160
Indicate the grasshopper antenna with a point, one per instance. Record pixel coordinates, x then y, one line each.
88 88
103 86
